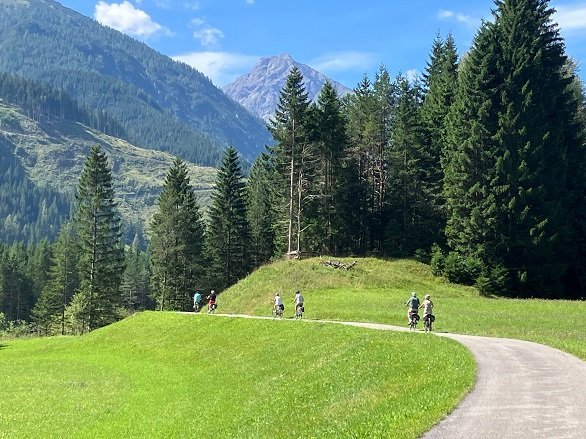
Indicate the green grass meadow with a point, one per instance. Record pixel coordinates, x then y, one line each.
376 290
167 375
174 375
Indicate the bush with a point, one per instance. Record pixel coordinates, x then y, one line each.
422 256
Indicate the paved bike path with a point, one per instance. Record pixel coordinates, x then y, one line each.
523 390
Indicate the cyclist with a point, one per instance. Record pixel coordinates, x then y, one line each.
197 301
427 306
413 304
278 306
212 305
298 300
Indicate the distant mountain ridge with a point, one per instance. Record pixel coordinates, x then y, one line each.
160 103
258 91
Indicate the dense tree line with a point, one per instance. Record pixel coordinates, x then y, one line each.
482 162
38 100
28 213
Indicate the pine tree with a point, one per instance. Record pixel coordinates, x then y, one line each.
409 227
362 133
229 232
97 223
261 198
135 286
508 180
63 281
330 136
537 131
177 242
290 131
440 88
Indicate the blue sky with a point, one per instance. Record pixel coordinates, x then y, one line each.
343 39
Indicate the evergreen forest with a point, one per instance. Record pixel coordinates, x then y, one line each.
477 168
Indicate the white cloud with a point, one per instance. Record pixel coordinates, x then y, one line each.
250 2
163 4
571 17
197 21
125 18
209 36
344 61
412 75
192 6
457 16
221 67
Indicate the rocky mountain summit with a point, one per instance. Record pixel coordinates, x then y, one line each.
258 91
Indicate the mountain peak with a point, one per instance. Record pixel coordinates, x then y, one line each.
258 91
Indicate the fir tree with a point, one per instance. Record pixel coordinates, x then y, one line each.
261 198
97 223
537 132
440 88
177 242
63 281
229 232
290 131
332 143
408 228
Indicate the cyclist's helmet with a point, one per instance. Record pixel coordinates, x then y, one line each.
427 296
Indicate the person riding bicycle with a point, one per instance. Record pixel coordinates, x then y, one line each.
197 301
427 306
278 303
298 300
212 301
413 304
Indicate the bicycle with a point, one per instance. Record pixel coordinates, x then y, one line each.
299 310
212 308
413 320
278 312
428 322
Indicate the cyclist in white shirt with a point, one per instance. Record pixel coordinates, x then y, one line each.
298 300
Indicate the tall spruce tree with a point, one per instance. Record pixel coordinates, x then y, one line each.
329 134
537 132
362 132
177 242
292 152
229 233
97 223
261 198
409 227
440 82
63 281
508 178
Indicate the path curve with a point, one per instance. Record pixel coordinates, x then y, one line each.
523 390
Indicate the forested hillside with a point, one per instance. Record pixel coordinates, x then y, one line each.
160 104
42 160
28 212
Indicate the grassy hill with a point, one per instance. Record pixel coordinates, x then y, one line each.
375 290
53 151
185 375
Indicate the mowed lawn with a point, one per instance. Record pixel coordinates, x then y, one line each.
375 290
167 375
